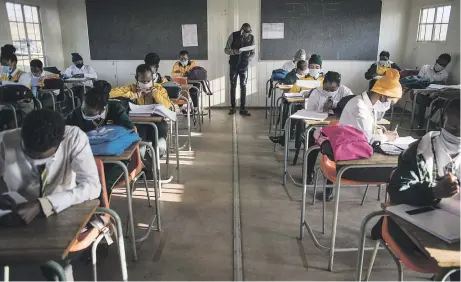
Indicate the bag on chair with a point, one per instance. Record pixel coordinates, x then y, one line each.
12 93
415 82
279 74
197 73
343 143
173 89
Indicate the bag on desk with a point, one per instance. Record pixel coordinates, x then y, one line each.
415 82
173 89
197 73
343 143
12 93
279 74
53 83
111 140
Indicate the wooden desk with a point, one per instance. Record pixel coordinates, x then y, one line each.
295 100
126 156
45 238
284 87
446 255
154 119
376 159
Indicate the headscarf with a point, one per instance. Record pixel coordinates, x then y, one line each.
76 57
389 84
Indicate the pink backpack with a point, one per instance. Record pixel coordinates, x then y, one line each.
343 143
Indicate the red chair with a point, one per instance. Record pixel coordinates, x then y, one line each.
180 80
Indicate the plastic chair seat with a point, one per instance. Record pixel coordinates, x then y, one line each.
179 102
329 170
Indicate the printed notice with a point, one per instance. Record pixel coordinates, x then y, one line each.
273 30
189 35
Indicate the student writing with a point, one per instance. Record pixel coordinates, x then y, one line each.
181 69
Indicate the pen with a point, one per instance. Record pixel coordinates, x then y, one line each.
396 127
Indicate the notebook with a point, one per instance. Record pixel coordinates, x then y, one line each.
309 115
293 95
311 84
151 110
442 220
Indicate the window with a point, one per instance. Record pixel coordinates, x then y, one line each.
433 23
26 33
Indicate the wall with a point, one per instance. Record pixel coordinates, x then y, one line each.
50 26
225 16
421 53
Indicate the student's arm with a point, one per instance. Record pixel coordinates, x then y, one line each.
121 117
26 80
68 72
126 91
176 70
161 97
371 72
406 185
228 50
91 73
87 182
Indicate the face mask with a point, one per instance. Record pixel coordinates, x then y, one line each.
79 66
330 94
449 142
382 106
300 75
38 162
6 69
145 85
314 72
383 63
438 67
91 118
184 63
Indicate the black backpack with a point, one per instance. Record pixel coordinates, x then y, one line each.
12 93
53 83
197 73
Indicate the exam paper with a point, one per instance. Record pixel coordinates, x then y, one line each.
189 35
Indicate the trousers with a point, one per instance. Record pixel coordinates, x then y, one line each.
243 75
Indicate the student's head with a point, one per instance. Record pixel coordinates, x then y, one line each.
6 52
450 119
315 65
9 63
302 67
442 62
96 99
152 60
300 55
36 67
144 76
42 132
388 88
77 60
246 29
184 57
384 57
332 81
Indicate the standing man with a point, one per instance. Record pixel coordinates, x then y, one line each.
239 61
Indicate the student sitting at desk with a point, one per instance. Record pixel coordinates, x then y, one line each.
291 65
436 74
428 171
301 71
153 60
315 73
145 92
378 69
80 70
181 69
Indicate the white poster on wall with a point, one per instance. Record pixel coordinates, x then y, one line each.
189 35
273 30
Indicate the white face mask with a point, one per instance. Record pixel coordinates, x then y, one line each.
438 67
330 94
184 63
314 72
38 162
449 142
91 118
384 63
382 106
145 85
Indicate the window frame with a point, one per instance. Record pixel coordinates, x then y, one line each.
39 19
433 23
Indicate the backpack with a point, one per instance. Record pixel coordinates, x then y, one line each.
197 73
343 143
279 74
415 82
12 93
173 89
111 140
53 83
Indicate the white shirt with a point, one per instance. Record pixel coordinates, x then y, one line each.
86 70
72 175
289 66
429 72
319 97
359 113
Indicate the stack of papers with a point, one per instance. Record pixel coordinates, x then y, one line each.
248 48
151 110
441 86
309 115
293 95
311 84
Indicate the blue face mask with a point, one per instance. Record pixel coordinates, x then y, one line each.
6 69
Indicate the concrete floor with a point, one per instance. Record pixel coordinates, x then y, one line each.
197 216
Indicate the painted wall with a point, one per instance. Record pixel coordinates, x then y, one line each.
50 26
421 53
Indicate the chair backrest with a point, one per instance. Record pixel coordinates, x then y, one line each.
180 80
408 72
136 161
104 198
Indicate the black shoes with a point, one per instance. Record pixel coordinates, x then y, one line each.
310 179
278 140
231 111
328 195
245 113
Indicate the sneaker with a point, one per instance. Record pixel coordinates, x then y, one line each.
310 178
328 195
231 111
245 113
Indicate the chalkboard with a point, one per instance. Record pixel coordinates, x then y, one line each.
128 30
334 29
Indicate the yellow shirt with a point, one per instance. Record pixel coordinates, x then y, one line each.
181 71
297 89
159 94
16 75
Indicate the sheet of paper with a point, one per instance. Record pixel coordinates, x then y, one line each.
451 205
189 35
273 30
402 142
293 95
309 115
311 84
441 86
153 109
248 48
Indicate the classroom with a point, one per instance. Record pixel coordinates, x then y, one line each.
309 140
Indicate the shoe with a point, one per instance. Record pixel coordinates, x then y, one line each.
278 140
310 178
231 111
329 195
245 113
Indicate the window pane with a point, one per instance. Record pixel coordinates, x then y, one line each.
422 29
36 48
424 17
37 32
446 14
436 32
10 12
30 31
28 13
21 31
23 50
443 32
14 31
18 12
430 15
428 32
35 14
438 19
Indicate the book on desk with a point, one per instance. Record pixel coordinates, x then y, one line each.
151 110
309 115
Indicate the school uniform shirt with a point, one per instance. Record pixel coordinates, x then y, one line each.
130 91
71 176
298 89
359 113
19 77
319 97
429 72
26 79
182 71
86 70
115 114
289 66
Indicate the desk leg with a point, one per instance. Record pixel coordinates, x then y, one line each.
285 159
281 108
189 126
52 98
413 111
177 149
